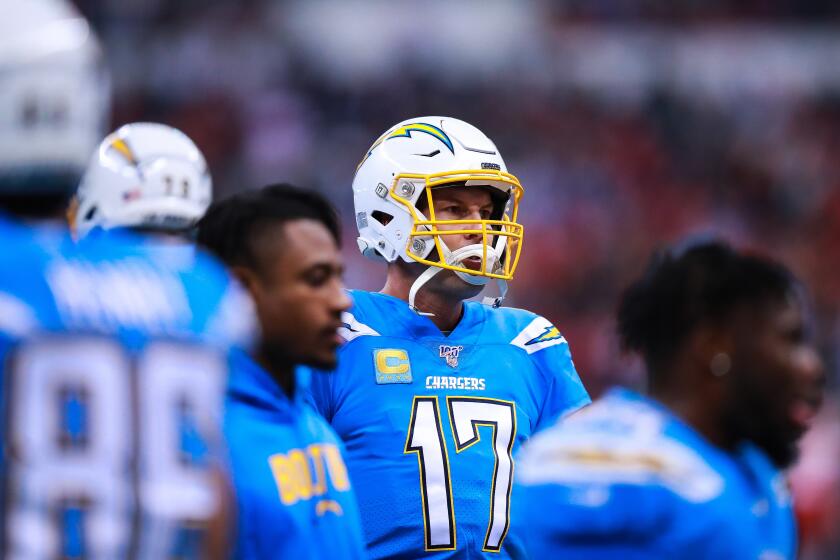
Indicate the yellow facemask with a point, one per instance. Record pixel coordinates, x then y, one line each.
501 239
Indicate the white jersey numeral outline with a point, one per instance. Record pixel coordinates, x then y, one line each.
131 456
425 438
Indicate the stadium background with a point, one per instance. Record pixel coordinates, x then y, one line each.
630 123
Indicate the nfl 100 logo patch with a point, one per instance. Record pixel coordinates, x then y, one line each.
450 354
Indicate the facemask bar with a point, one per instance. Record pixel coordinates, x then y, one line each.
505 232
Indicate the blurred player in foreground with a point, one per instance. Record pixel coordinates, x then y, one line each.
294 495
434 394
693 470
113 364
146 177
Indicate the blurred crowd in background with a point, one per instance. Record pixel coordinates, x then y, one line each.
630 123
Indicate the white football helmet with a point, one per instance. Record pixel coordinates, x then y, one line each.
412 159
144 175
54 96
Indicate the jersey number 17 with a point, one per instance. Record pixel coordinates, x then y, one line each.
425 438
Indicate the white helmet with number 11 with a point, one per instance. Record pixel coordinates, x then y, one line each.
144 175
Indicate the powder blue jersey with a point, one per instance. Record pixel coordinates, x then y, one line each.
431 422
294 496
113 371
625 478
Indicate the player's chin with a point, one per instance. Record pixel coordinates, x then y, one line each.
782 446
326 359
456 284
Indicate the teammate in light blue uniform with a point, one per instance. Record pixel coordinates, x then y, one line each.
692 472
114 370
143 176
294 497
433 394
113 359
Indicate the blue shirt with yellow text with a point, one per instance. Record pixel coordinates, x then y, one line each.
294 495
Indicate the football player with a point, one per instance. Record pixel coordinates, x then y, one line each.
294 495
113 363
144 176
434 394
691 471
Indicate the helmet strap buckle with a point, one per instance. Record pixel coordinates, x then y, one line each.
496 302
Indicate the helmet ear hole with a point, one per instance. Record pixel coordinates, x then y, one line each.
382 217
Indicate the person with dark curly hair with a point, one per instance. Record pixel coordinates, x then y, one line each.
693 469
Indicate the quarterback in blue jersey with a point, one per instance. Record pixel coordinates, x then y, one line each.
293 491
434 394
693 470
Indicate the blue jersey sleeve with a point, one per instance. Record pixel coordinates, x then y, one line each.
625 480
603 505
550 353
589 520
594 521
566 392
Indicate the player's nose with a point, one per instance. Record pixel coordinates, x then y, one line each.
474 213
340 301
810 369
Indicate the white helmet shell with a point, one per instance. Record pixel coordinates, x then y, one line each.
54 96
144 175
414 157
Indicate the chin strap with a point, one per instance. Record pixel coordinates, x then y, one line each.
497 301
455 258
427 275
430 273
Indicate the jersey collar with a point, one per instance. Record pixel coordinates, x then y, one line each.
401 320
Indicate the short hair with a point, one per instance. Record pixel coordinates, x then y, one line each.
230 226
37 193
703 284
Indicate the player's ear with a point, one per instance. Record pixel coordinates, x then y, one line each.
248 278
711 349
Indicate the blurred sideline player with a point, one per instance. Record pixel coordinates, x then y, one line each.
148 177
434 394
54 103
692 471
113 364
294 495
